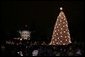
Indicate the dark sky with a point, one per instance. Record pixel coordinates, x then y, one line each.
40 16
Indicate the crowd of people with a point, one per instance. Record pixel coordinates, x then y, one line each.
74 49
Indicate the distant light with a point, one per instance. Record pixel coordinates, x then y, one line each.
21 39
61 8
58 37
61 36
60 41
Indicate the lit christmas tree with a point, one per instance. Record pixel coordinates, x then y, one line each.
61 35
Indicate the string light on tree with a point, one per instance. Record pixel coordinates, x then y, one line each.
61 35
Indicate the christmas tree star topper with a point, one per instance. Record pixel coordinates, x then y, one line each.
61 8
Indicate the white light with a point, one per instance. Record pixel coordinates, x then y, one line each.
68 36
59 24
50 43
69 41
18 52
21 39
66 25
58 29
57 33
64 19
58 37
68 33
61 8
63 43
64 31
55 30
66 39
53 38
60 41
61 28
57 43
65 36
61 36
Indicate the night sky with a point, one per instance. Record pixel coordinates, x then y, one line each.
40 16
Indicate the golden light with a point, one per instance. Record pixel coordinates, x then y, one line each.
61 34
